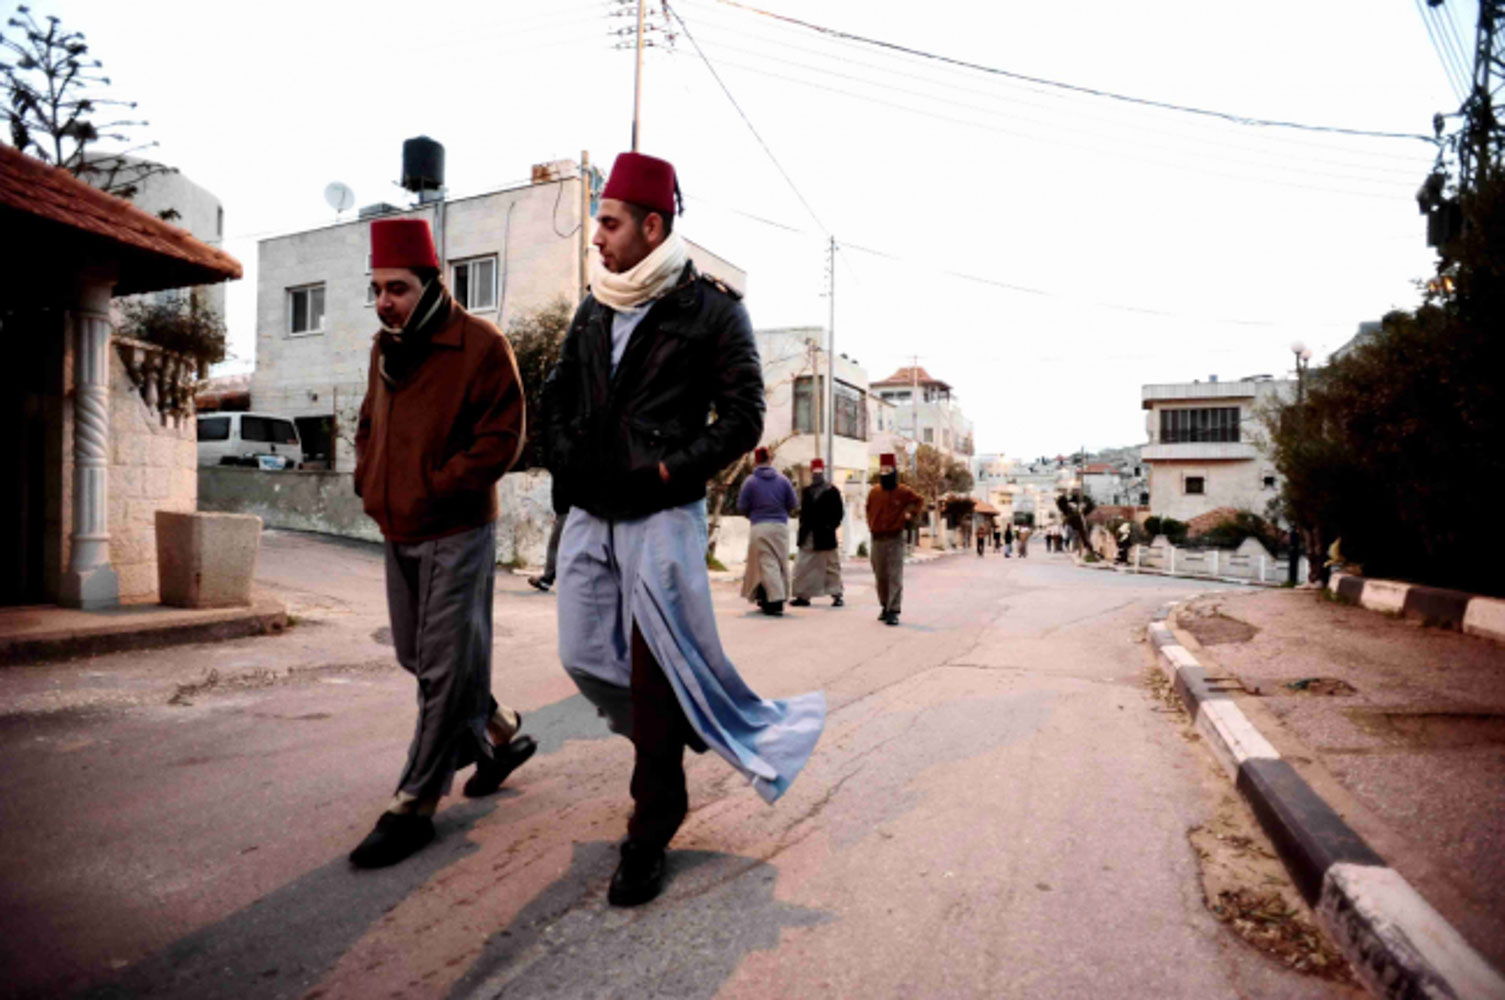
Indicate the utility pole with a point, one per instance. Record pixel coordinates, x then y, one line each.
1481 129
585 218
637 80
831 366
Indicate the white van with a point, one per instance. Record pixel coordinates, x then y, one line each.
254 439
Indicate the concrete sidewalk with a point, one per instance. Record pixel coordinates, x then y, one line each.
1399 730
41 633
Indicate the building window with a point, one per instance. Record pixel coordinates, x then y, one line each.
473 282
370 285
1196 485
851 416
305 309
1269 482
1201 425
930 435
804 405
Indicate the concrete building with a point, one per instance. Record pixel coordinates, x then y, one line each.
1205 445
505 253
795 369
927 411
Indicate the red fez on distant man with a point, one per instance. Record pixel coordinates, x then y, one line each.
817 465
403 243
642 180
886 460
760 455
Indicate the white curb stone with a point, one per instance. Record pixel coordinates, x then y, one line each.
1384 595
1486 617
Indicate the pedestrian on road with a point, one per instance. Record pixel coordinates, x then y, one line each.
891 508
1008 541
817 568
982 538
767 498
442 420
545 580
997 538
652 350
1024 534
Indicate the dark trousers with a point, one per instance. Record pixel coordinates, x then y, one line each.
660 733
551 559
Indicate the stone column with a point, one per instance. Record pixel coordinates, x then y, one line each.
89 582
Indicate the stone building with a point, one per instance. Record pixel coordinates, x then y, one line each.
795 369
926 411
505 253
103 425
1205 446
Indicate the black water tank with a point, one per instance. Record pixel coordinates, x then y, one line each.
422 164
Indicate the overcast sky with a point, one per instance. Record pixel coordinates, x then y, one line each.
1045 251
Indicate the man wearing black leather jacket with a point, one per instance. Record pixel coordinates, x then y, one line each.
658 387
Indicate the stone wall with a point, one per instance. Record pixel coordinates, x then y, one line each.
152 467
325 502
1251 562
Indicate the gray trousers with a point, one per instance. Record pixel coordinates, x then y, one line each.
888 570
817 573
439 596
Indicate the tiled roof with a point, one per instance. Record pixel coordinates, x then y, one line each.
911 375
1099 468
160 255
1211 519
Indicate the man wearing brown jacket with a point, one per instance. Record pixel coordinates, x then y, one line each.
891 508
441 422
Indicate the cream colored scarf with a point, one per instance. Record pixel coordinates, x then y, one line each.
647 280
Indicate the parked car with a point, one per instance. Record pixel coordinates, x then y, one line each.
255 439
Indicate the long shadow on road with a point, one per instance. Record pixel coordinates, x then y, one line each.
568 943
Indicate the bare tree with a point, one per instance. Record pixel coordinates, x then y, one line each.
52 110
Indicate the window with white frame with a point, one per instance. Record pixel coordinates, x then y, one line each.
473 282
370 286
305 309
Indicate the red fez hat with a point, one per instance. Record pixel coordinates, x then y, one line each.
817 465
886 459
760 455
642 180
402 243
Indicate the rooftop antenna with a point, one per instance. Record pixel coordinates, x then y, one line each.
339 196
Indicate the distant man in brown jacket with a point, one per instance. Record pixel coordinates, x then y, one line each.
891 507
441 422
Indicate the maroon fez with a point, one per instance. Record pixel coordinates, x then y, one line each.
403 243
760 455
642 180
817 465
886 459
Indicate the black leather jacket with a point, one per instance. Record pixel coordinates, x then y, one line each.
692 355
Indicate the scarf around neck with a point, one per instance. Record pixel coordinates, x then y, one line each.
403 349
645 281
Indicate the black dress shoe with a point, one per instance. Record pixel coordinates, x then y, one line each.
504 760
542 583
800 602
837 602
639 875
892 619
774 608
397 835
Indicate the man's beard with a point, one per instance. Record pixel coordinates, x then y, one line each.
889 480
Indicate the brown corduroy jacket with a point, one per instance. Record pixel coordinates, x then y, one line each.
430 449
889 511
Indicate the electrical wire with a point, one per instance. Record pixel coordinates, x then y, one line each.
1237 119
747 121
1447 26
1456 77
1074 105
1367 172
1398 191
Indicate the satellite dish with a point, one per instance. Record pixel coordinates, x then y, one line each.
339 196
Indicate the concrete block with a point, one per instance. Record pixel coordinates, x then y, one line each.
1384 595
206 560
1485 617
156 482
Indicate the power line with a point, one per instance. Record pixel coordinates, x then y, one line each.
745 120
1456 77
1399 190
1072 104
1369 172
1236 119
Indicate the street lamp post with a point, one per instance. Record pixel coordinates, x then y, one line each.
1303 358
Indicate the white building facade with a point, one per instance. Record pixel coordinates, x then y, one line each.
795 372
1206 446
927 412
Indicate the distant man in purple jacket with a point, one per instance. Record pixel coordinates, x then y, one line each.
767 498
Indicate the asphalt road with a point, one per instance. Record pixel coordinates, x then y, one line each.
997 809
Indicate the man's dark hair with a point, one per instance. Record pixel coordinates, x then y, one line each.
639 213
425 274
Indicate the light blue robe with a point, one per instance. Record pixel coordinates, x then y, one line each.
651 571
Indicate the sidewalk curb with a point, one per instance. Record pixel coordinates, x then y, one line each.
263 616
1452 609
1397 943
1237 581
